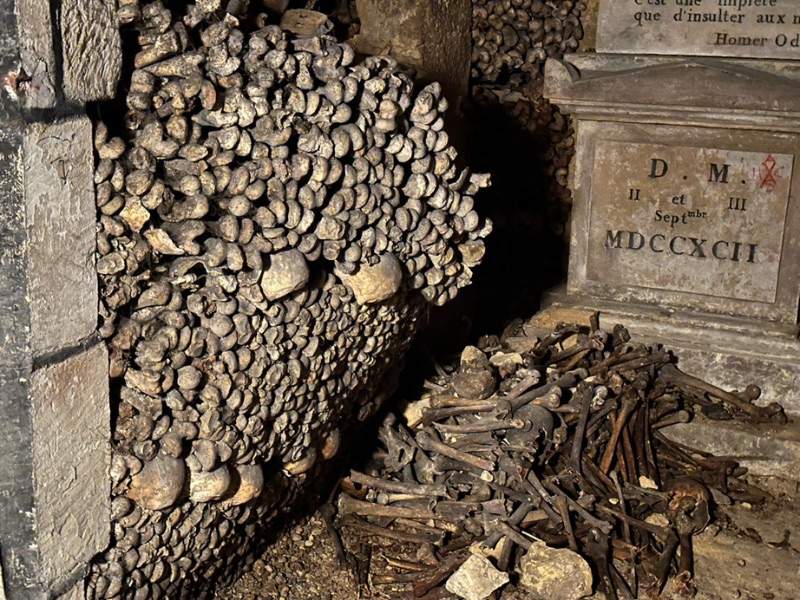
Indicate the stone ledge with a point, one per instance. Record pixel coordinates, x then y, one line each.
766 450
727 353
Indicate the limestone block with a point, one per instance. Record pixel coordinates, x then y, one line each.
60 222
476 579
36 53
78 592
71 460
555 573
92 49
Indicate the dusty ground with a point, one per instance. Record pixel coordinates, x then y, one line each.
750 553
300 565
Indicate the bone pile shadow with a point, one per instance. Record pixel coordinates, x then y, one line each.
511 41
556 439
273 221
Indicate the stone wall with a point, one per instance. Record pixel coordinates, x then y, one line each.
54 410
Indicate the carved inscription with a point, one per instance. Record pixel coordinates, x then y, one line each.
744 28
697 220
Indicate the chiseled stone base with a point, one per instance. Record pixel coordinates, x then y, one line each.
76 593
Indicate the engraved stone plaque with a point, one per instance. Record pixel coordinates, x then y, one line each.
688 219
736 28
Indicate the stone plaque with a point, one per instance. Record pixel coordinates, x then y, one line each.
738 28
688 219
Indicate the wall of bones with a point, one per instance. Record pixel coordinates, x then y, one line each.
273 219
264 220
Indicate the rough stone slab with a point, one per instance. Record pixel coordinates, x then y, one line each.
71 460
764 450
730 563
746 29
36 53
60 219
92 49
435 38
706 93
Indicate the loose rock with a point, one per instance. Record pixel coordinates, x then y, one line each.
555 574
476 579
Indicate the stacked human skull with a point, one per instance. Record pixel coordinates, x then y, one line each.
274 219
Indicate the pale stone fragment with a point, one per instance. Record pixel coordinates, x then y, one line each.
506 360
555 574
473 357
287 273
476 579
375 283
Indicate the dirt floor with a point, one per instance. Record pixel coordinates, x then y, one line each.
749 553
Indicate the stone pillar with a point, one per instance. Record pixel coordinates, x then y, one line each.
435 38
54 409
681 137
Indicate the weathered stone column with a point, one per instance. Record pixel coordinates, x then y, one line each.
54 410
435 38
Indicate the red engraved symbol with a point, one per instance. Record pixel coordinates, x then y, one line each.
769 174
